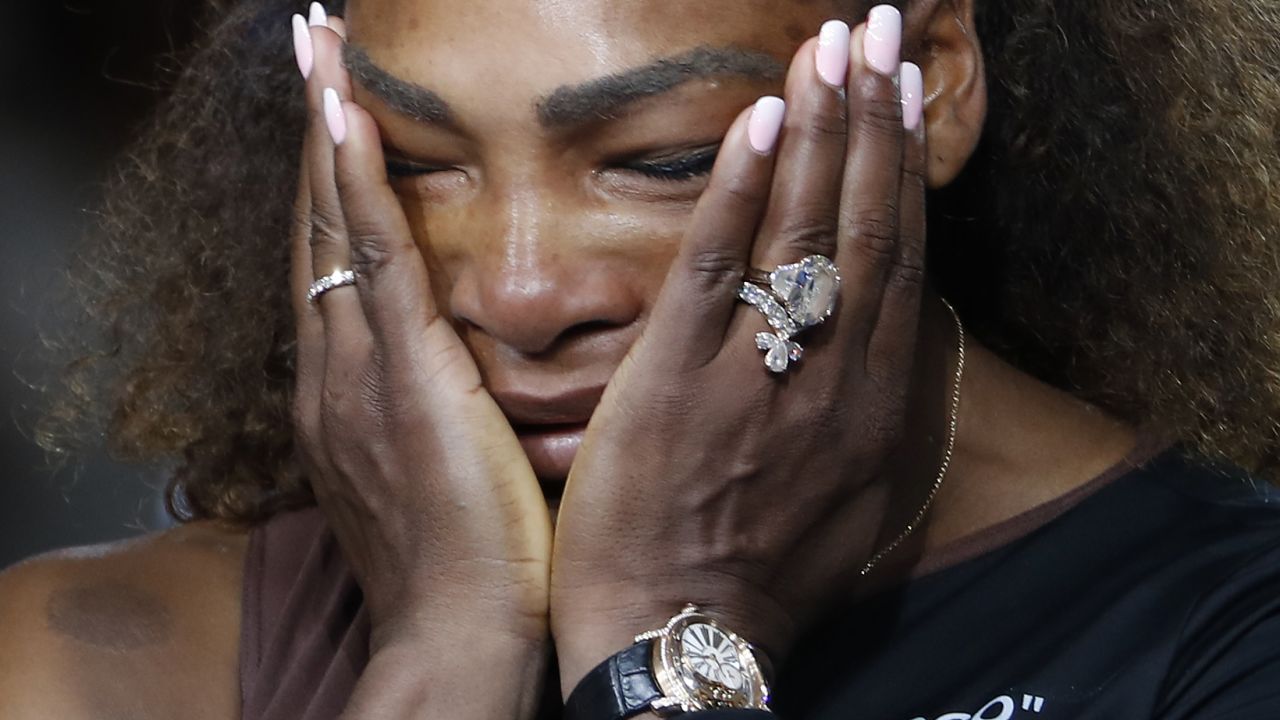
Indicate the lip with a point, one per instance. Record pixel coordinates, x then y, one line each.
568 407
551 450
550 427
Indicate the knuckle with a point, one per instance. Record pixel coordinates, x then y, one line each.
880 112
348 182
354 414
744 193
341 395
830 411
916 176
874 230
301 218
380 404
826 125
884 430
371 251
813 232
717 266
907 276
326 235
335 406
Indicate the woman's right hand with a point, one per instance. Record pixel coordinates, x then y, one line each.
432 499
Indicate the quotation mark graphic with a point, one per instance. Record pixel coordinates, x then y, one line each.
1001 708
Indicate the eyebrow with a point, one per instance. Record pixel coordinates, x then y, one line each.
406 98
599 99
603 98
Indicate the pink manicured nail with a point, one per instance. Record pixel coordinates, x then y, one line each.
302 48
319 18
883 41
766 123
912 89
833 52
334 117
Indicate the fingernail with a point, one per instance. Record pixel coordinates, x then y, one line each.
334 117
883 43
912 89
319 18
765 124
302 49
833 52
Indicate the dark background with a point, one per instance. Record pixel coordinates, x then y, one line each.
76 79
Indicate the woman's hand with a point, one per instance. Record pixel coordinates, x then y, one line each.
422 479
705 478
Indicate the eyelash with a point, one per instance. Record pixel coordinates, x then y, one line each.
404 168
674 168
677 167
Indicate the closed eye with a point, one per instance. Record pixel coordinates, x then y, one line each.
685 166
399 168
674 168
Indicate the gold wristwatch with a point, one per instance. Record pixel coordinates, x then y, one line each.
692 663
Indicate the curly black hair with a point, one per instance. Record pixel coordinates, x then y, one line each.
1115 234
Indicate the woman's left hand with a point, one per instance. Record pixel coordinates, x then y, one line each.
705 478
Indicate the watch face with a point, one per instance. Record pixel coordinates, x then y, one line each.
700 665
712 655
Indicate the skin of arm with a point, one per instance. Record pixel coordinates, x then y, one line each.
140 629
424 677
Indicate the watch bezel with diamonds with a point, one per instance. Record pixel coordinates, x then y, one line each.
686 690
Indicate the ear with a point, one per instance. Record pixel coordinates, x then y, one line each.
942 40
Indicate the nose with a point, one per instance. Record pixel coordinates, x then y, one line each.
543 279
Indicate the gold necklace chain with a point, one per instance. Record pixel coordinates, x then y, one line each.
953 423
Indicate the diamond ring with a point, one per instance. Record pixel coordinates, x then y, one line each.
333 281
807 289
781 351
791 298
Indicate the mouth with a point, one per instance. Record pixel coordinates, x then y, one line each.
550 428
551 450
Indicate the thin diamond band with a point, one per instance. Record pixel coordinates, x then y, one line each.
332 281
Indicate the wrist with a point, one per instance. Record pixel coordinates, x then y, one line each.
583 640
432 673
589 633
438 621
690 661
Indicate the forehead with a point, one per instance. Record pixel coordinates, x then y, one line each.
531 46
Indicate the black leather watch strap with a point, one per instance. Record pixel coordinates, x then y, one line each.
620 687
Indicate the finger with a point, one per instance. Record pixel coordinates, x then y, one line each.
692 313
894 335
309 352
394 288
338 25
804 203
869 206
330 251
309 349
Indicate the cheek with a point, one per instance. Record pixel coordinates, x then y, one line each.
647 243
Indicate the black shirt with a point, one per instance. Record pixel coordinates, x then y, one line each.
1152 592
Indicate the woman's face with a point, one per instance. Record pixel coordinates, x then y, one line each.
548 154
